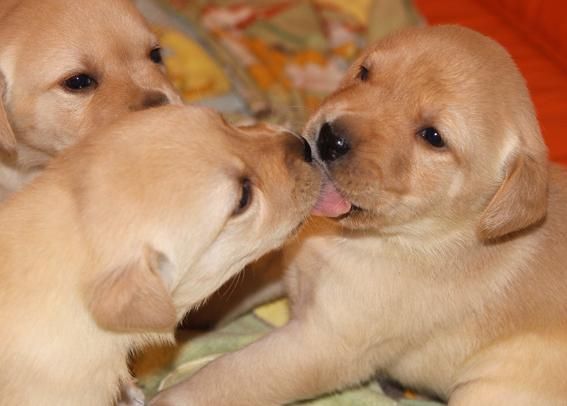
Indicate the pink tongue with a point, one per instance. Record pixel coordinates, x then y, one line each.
330 202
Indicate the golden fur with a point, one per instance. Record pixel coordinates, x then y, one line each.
123 233
449 273
43 43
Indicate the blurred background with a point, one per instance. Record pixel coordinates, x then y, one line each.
268 59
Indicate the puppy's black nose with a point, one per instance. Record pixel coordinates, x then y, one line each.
307 155
331 144
297 147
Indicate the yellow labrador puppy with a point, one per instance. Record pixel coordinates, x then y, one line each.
66 67
448 273
123 233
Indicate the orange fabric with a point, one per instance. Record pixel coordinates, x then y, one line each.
536 36
544 22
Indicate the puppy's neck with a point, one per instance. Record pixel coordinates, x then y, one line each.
422 236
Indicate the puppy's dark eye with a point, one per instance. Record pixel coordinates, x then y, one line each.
155 55
363 73
432 136
245 197
79 82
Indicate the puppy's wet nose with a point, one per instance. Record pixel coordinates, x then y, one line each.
298 147
331 144
307 155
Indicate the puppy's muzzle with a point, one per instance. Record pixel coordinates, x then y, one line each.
331 143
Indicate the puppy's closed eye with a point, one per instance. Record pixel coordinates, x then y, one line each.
245 197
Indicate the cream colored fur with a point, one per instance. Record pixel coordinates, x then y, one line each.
126 231
450 274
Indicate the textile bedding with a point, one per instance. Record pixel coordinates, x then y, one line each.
162 367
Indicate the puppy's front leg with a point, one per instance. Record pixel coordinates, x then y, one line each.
297 361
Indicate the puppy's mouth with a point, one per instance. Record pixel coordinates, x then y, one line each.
354 209
331 203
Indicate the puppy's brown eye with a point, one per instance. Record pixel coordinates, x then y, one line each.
363 73
245 197
432 137
79 82
155 55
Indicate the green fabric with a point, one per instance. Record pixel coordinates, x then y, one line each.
160 368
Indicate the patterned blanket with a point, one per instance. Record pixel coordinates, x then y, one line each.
269 59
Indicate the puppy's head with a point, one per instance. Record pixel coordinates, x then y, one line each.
175 201
433 130
67 67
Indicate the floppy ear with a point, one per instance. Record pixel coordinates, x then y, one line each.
133 298
521 200
7 137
